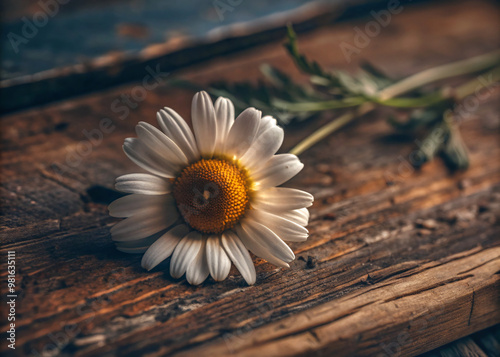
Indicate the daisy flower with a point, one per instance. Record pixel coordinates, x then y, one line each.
211 194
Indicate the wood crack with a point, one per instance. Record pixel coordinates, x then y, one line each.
471 307
431 287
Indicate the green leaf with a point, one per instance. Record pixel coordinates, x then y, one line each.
310 67
455 153
430 146
376 75
279 87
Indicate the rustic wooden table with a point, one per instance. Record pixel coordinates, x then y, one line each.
399 261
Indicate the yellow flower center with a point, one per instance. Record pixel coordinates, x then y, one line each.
212 195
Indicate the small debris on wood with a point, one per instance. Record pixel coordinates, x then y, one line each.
369 280
310 262
426 223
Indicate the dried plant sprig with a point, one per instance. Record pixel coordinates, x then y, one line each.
437 104
428 110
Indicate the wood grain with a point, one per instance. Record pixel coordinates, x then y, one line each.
399 261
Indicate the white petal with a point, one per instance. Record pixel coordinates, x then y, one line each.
218 261
239 255
176 128
284 228
254 244
224 113
204 124
144 184
266 122
268 239
130 205
197 271
163 247
184 253
242 133
139 226
282 199
144 224
157 141
299 216
279 169
263 148
149 160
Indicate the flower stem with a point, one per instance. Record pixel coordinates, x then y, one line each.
413 82
485 80
319 106
331 127
470 65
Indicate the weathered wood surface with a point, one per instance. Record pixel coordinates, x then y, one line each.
374 278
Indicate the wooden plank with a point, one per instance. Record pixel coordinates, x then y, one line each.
370 271
405 307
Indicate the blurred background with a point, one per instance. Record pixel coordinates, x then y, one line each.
77 32
54 49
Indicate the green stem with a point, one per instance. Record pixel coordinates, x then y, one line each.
329 128
482 81
424 101
471 65
471 87
318 106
